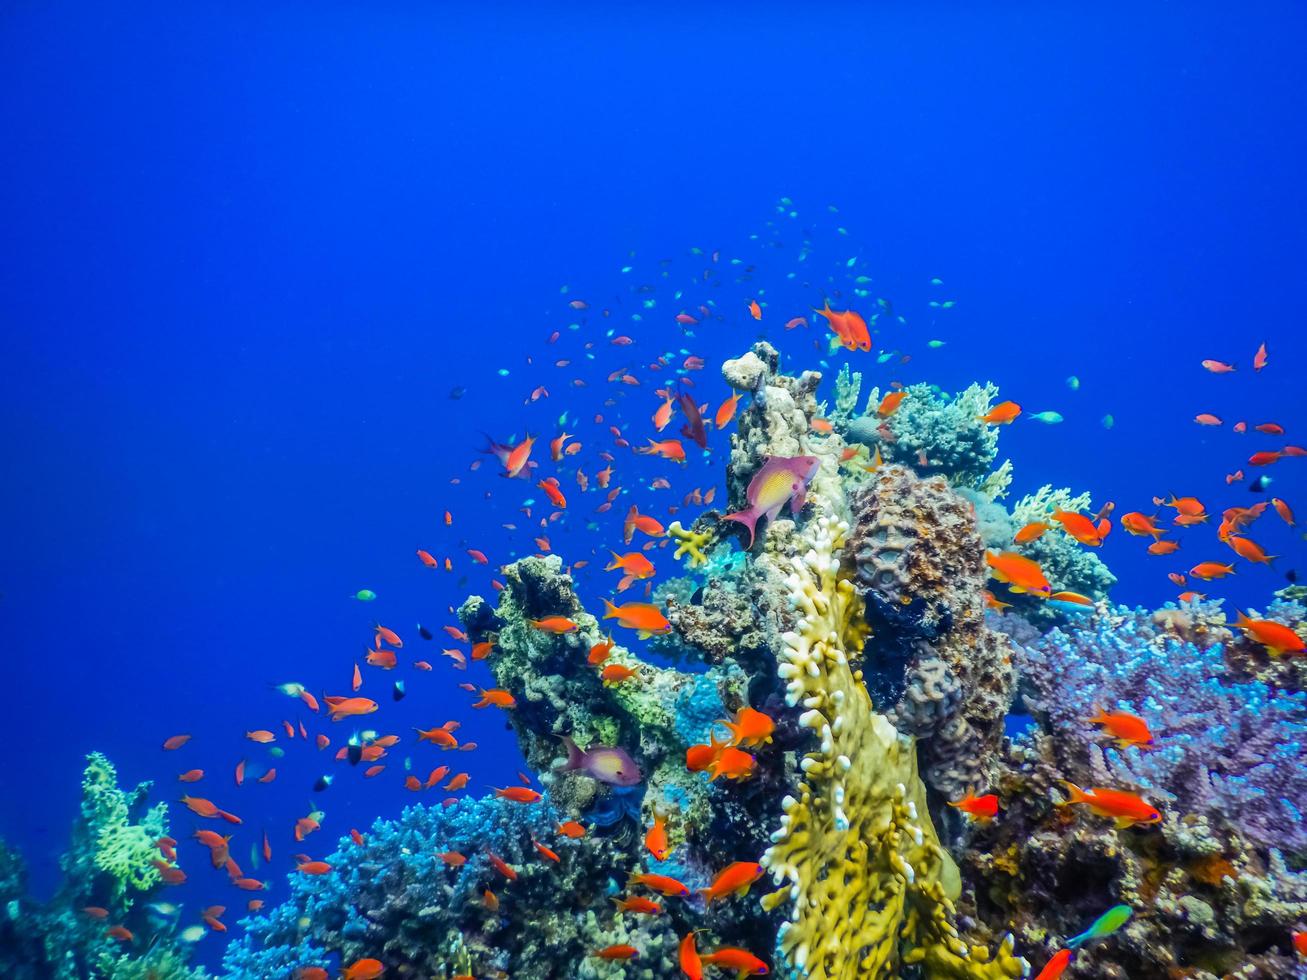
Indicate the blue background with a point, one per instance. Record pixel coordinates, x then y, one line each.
247 254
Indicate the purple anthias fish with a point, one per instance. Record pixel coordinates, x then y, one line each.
781 479
608 764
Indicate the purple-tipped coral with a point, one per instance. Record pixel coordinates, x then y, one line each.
1234 749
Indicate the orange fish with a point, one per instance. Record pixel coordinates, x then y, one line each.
1163 547
655 840
635 521
313 867
452 858
1020 573
175 742
482 650
1140 524
688 958
1206 418
663 415
668 449
1056 966
734 879
517 794
726 412
744 963
755 310
732 763
848 326
1001 414
554 624
340 708
550 486
1259 359
750 727
600 651
1250 550
428 559
386 635
1031 532
1275 637
890 403
501 866
1126 728
1126 808
1218 367
385 659
633 563
620 952
1209 570
517 457
191 776
261 735
1283 510
1082 528
546 852
668 887
979 808
1264 458
441 736
646 619
616 673
572 829
364 969
497 697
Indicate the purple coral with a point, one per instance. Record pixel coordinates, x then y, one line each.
1235 749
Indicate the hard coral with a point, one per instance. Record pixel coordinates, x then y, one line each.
868 883
919 561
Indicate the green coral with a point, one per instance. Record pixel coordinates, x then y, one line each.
690 542
158 963
123 848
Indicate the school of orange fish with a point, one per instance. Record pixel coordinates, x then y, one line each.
728 757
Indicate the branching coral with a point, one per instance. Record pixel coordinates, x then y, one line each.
939 434
870 886
690 542
1224 748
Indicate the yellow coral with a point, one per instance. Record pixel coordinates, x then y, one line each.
692 542
871 888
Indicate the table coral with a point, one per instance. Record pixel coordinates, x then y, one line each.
856 854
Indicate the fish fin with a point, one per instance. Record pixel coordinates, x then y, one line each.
749 518
1123 823
1075 793
575 758
610 610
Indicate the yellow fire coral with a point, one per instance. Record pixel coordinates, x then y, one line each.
691 542
871 888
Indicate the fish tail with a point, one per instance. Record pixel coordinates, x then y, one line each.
1242 619
610 611
749 518
574 755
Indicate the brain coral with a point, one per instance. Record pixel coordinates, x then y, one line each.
917 555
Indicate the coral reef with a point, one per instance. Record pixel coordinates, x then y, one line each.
936 434
109 865
1211 888
1222 748
869 886
919 561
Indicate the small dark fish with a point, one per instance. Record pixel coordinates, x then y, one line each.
457 392
697 598
1259 485
424 632
322 783
354 752
399 692
1291 575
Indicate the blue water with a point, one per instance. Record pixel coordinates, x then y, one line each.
248 254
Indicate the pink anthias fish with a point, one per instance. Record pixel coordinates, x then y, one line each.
501 451
781 479
608 764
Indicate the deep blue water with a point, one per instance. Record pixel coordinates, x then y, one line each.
247 255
